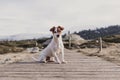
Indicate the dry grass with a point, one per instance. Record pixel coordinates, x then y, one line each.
112 38
111 53
16 46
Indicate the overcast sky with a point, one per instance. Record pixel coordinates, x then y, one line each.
37 16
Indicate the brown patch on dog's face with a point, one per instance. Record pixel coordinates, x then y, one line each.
61 28
56 29
52 29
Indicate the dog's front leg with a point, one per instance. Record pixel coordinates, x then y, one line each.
63 59
56 59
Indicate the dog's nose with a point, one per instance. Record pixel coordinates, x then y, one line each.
58 35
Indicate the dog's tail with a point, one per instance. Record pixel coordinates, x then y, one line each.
35 59
38 60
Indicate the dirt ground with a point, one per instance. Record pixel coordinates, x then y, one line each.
111 53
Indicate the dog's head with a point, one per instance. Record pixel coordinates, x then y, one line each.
57 31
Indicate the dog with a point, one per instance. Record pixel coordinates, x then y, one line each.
55 47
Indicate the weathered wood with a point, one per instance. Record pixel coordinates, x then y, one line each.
100 42
69 36
79 67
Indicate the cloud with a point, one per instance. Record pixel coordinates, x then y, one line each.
35 16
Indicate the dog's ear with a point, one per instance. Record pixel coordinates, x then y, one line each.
61 28
52 29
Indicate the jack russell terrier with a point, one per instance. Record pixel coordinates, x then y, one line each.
55 47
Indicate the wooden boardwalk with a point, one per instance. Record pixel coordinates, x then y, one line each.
79 67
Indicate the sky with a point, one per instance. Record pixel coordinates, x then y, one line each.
38 16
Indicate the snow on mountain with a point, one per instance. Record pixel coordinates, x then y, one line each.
24 36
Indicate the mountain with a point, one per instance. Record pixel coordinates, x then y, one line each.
24 36
99 32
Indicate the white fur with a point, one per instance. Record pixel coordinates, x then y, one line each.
56 46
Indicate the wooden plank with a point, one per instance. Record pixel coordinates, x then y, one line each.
79 67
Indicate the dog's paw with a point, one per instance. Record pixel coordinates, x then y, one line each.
64 62
42 61
58 62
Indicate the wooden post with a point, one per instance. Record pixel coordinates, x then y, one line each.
36 44
69 37
100 42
